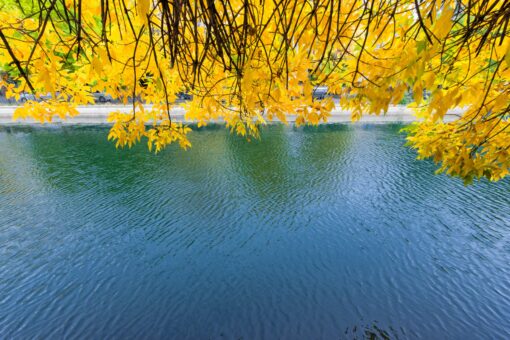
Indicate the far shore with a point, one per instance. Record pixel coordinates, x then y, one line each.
97 115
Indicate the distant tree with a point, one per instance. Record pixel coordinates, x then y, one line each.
250 61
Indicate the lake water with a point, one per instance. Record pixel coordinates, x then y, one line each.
328 233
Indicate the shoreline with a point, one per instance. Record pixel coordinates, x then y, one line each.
97 115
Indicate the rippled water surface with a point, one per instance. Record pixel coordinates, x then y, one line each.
336 232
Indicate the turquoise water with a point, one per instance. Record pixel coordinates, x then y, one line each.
331 233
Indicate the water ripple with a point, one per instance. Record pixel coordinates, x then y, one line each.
329 232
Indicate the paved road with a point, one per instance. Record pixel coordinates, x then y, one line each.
97 114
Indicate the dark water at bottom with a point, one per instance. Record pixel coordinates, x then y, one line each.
328 233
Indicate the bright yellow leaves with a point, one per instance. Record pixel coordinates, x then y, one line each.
444 24
97 66
143 8
447 72
44 112
317 113
129 129
463 150
247 63
161 136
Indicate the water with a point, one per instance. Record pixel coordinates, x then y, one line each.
332 233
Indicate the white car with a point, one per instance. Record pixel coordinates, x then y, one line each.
26 96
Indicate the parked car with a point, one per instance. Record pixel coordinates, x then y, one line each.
48 96
320 92
184 96
101 97
26 96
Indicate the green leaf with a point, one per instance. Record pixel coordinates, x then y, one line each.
421 45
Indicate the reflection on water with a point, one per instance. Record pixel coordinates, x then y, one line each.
330 232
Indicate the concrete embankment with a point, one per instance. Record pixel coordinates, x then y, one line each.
97 115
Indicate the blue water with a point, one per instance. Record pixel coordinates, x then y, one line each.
329 233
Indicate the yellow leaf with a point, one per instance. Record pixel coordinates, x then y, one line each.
97 65
418 92
143 8
444 24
